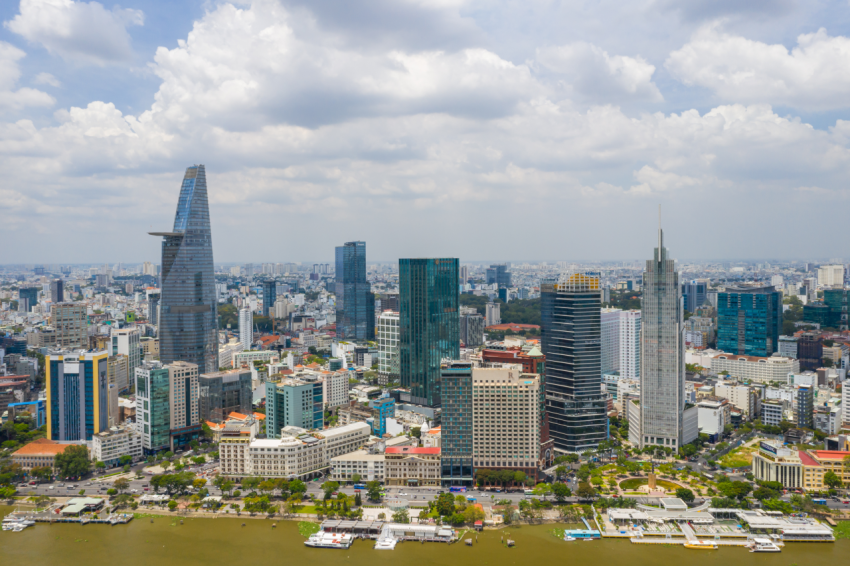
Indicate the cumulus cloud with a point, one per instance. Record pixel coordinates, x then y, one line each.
83 32
595 75
10 97
46 79
815 75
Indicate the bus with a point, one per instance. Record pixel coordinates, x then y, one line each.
456 489
529 492
359 486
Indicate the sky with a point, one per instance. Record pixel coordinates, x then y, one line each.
479 129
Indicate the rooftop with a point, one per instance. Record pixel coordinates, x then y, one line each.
411 450
41 447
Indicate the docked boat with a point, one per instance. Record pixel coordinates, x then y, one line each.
568 538
763 545
329 540
701 545
386 544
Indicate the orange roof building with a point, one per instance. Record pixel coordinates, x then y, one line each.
38 454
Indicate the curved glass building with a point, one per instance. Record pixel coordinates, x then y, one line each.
188 328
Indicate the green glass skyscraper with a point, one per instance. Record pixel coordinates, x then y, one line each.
749 320
429 329
355 303
188 324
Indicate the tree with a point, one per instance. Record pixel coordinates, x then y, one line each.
685 494
832 480
373 490
73 461
542 489
329 487
297 487
355 478
561 491
121 484
99 465
111 491
585 491
560 472
445 504
473 513
199 483
401 516
125 460
172 505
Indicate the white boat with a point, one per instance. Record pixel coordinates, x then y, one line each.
386 544
329 540
568 538
763 545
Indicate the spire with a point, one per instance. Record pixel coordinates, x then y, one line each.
660 232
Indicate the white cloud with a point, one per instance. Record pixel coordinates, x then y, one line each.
10 98
814 75
46 79
595 75
77 31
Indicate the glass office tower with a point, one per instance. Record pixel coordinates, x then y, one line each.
269 296
355 303
572 343
188 325
429 329
749 320
76 391
456 424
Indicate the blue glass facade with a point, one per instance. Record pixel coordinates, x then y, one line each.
269 296
293 403
694 293
355 303
456 425
30 294
188 325
571 341
749 321
384 409
429 329
76 395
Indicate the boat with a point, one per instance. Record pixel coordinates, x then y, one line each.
763 545
568 538
386 544
510 542
701 545
329 540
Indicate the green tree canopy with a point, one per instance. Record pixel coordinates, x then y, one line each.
73 461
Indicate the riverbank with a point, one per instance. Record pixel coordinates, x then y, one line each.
167 542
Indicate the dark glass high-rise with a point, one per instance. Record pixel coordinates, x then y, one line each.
188 326
429 329
355 303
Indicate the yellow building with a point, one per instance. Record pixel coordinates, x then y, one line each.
816 463
77 394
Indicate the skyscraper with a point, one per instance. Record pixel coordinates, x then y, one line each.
499 275
57 291
428 324
694 293
269 296
571 341
246 328
749 320
630 345
70 322
27 298
456 436
663 420
355 303
77 386
188 325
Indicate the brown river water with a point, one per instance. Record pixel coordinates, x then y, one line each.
216 542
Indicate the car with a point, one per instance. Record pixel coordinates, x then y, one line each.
51 487
146 489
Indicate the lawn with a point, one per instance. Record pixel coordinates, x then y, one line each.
739 457
842 530
306 529
637 482
307 509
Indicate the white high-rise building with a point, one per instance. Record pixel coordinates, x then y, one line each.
387 337
831 275
236 271
127 341
610 319
630 344
246 327
493 315
662 419
777 281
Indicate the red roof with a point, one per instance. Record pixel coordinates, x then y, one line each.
808 460
411 450
830 454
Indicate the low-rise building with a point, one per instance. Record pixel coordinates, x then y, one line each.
754 368
743 397
772 411
110 445
297 453
359 465
713 415
39 453
412 466
773 462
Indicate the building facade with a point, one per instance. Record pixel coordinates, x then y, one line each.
188 325
293 402
752 368
355 303
630 345
153 407
428 324
224 392
387 338
662 391
111 445
412 466
610 321
576 408
456 438
269 297
749 320
69 322
246 328
358 466
126 342
77 394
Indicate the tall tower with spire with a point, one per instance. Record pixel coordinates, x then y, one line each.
661 416
188 321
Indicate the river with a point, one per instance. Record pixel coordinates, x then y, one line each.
224 541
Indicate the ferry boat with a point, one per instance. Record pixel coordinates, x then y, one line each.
568 538
763 545
329 540
386 544
701 545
